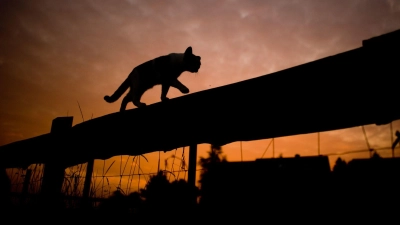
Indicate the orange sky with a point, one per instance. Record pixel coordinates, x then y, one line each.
54 53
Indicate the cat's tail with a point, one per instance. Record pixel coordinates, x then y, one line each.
118 93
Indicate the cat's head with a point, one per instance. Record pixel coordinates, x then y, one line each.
191 62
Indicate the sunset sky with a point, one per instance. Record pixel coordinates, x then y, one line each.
54 54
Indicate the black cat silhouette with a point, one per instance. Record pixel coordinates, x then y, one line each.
163 70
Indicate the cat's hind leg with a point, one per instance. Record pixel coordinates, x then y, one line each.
125 102
137 90
135 98
130 97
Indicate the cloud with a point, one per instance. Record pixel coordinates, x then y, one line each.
394 5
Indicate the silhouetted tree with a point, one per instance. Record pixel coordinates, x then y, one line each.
339 182
163 197
120 207
214 156
156 192
376 156
340 166
397 140
183 194
119 203
5 190
208 191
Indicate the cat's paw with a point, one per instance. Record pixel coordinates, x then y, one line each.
139 104
185 90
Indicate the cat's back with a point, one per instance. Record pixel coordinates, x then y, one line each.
156 63
161 64
169 61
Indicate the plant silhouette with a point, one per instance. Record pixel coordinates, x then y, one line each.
208 194
164 198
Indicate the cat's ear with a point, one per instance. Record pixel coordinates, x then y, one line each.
189 51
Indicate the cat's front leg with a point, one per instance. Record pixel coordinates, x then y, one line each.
164 91
178 85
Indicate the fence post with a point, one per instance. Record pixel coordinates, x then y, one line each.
53 174
25 186
86 187
192 167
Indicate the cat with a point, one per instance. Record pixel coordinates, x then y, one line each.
163 70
